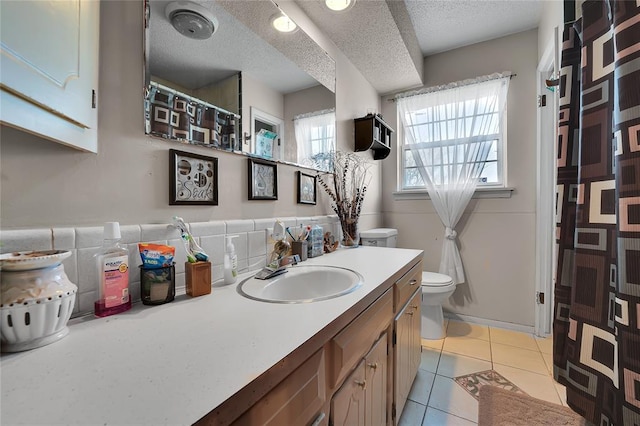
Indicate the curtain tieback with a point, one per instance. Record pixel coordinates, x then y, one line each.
450 234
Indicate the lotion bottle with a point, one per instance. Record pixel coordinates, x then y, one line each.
113 274
230 261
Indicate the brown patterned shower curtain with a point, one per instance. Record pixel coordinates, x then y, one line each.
596 326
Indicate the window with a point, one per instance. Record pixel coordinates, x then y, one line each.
453 132
315 136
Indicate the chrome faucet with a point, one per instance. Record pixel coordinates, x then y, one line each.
277 267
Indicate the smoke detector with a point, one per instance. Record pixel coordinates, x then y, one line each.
191 19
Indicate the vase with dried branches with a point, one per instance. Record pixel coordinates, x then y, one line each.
346 185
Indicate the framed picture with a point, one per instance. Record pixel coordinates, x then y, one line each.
306 188
193 179
263 180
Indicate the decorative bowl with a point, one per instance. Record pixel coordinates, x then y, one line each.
35 307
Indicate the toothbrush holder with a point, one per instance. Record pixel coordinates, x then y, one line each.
198 278
300 248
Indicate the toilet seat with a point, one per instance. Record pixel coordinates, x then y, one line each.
433 279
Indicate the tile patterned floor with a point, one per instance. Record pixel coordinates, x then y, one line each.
436 400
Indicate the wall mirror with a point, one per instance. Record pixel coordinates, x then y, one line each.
246 88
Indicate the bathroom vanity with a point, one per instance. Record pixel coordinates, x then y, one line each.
226 359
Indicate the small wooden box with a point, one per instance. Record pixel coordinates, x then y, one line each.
198 278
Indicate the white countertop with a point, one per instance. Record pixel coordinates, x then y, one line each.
173 363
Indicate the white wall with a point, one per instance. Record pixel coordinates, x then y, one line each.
45 184
496 236
551 18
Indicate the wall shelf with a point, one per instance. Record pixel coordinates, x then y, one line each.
371 132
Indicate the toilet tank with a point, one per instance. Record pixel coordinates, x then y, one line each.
379 237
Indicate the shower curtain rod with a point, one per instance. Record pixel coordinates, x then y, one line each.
452 85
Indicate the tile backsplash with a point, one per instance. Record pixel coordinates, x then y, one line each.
252 248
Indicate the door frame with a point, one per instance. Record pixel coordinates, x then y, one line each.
547 124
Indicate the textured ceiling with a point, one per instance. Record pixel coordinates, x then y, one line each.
233 47
387 39
442 25
372 35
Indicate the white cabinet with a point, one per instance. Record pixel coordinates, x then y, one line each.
49 69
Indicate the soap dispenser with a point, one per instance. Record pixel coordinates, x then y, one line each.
230 261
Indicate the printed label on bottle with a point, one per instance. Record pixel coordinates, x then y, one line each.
115 281
234 266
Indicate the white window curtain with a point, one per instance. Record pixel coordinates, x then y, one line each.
461 121
315 137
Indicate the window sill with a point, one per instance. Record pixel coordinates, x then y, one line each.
422 194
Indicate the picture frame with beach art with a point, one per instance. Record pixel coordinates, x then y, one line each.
193 179
306 188
263 180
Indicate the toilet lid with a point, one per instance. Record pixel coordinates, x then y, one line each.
433 279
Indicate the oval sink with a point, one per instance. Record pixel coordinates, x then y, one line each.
302 284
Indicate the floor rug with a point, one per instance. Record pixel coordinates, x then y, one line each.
500 407
473 382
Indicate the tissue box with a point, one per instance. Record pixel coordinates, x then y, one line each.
198 278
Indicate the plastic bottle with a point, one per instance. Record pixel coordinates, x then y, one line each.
113 274
230 261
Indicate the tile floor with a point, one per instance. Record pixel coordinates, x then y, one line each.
522 358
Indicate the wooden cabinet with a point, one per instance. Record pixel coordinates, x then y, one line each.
348 403
362 399
371 132
407 344
407 351
49 74
351 373
355 339
297 400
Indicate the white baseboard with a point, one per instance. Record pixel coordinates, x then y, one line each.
491 323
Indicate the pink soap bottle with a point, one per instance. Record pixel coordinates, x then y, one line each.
113 274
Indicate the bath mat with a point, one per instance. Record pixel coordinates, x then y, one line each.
502 407
474 381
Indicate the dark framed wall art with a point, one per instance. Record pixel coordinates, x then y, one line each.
263 180
193 179
306 188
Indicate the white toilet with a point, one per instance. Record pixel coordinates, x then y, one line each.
436 288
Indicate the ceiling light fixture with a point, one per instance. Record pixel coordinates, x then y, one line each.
191 20
283 23
339 5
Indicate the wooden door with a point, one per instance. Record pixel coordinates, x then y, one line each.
415 306
376 378
403 358
348 403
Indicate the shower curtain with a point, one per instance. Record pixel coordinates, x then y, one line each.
596 325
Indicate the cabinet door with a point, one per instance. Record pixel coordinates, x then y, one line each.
297 400
376 378
407 350
415 305
51 71
403 359
348 403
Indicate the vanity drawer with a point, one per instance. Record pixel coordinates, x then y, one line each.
297 400
405 286
355 340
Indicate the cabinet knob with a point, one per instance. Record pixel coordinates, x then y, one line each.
414 306
409 313
361 383
373 365
413 282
